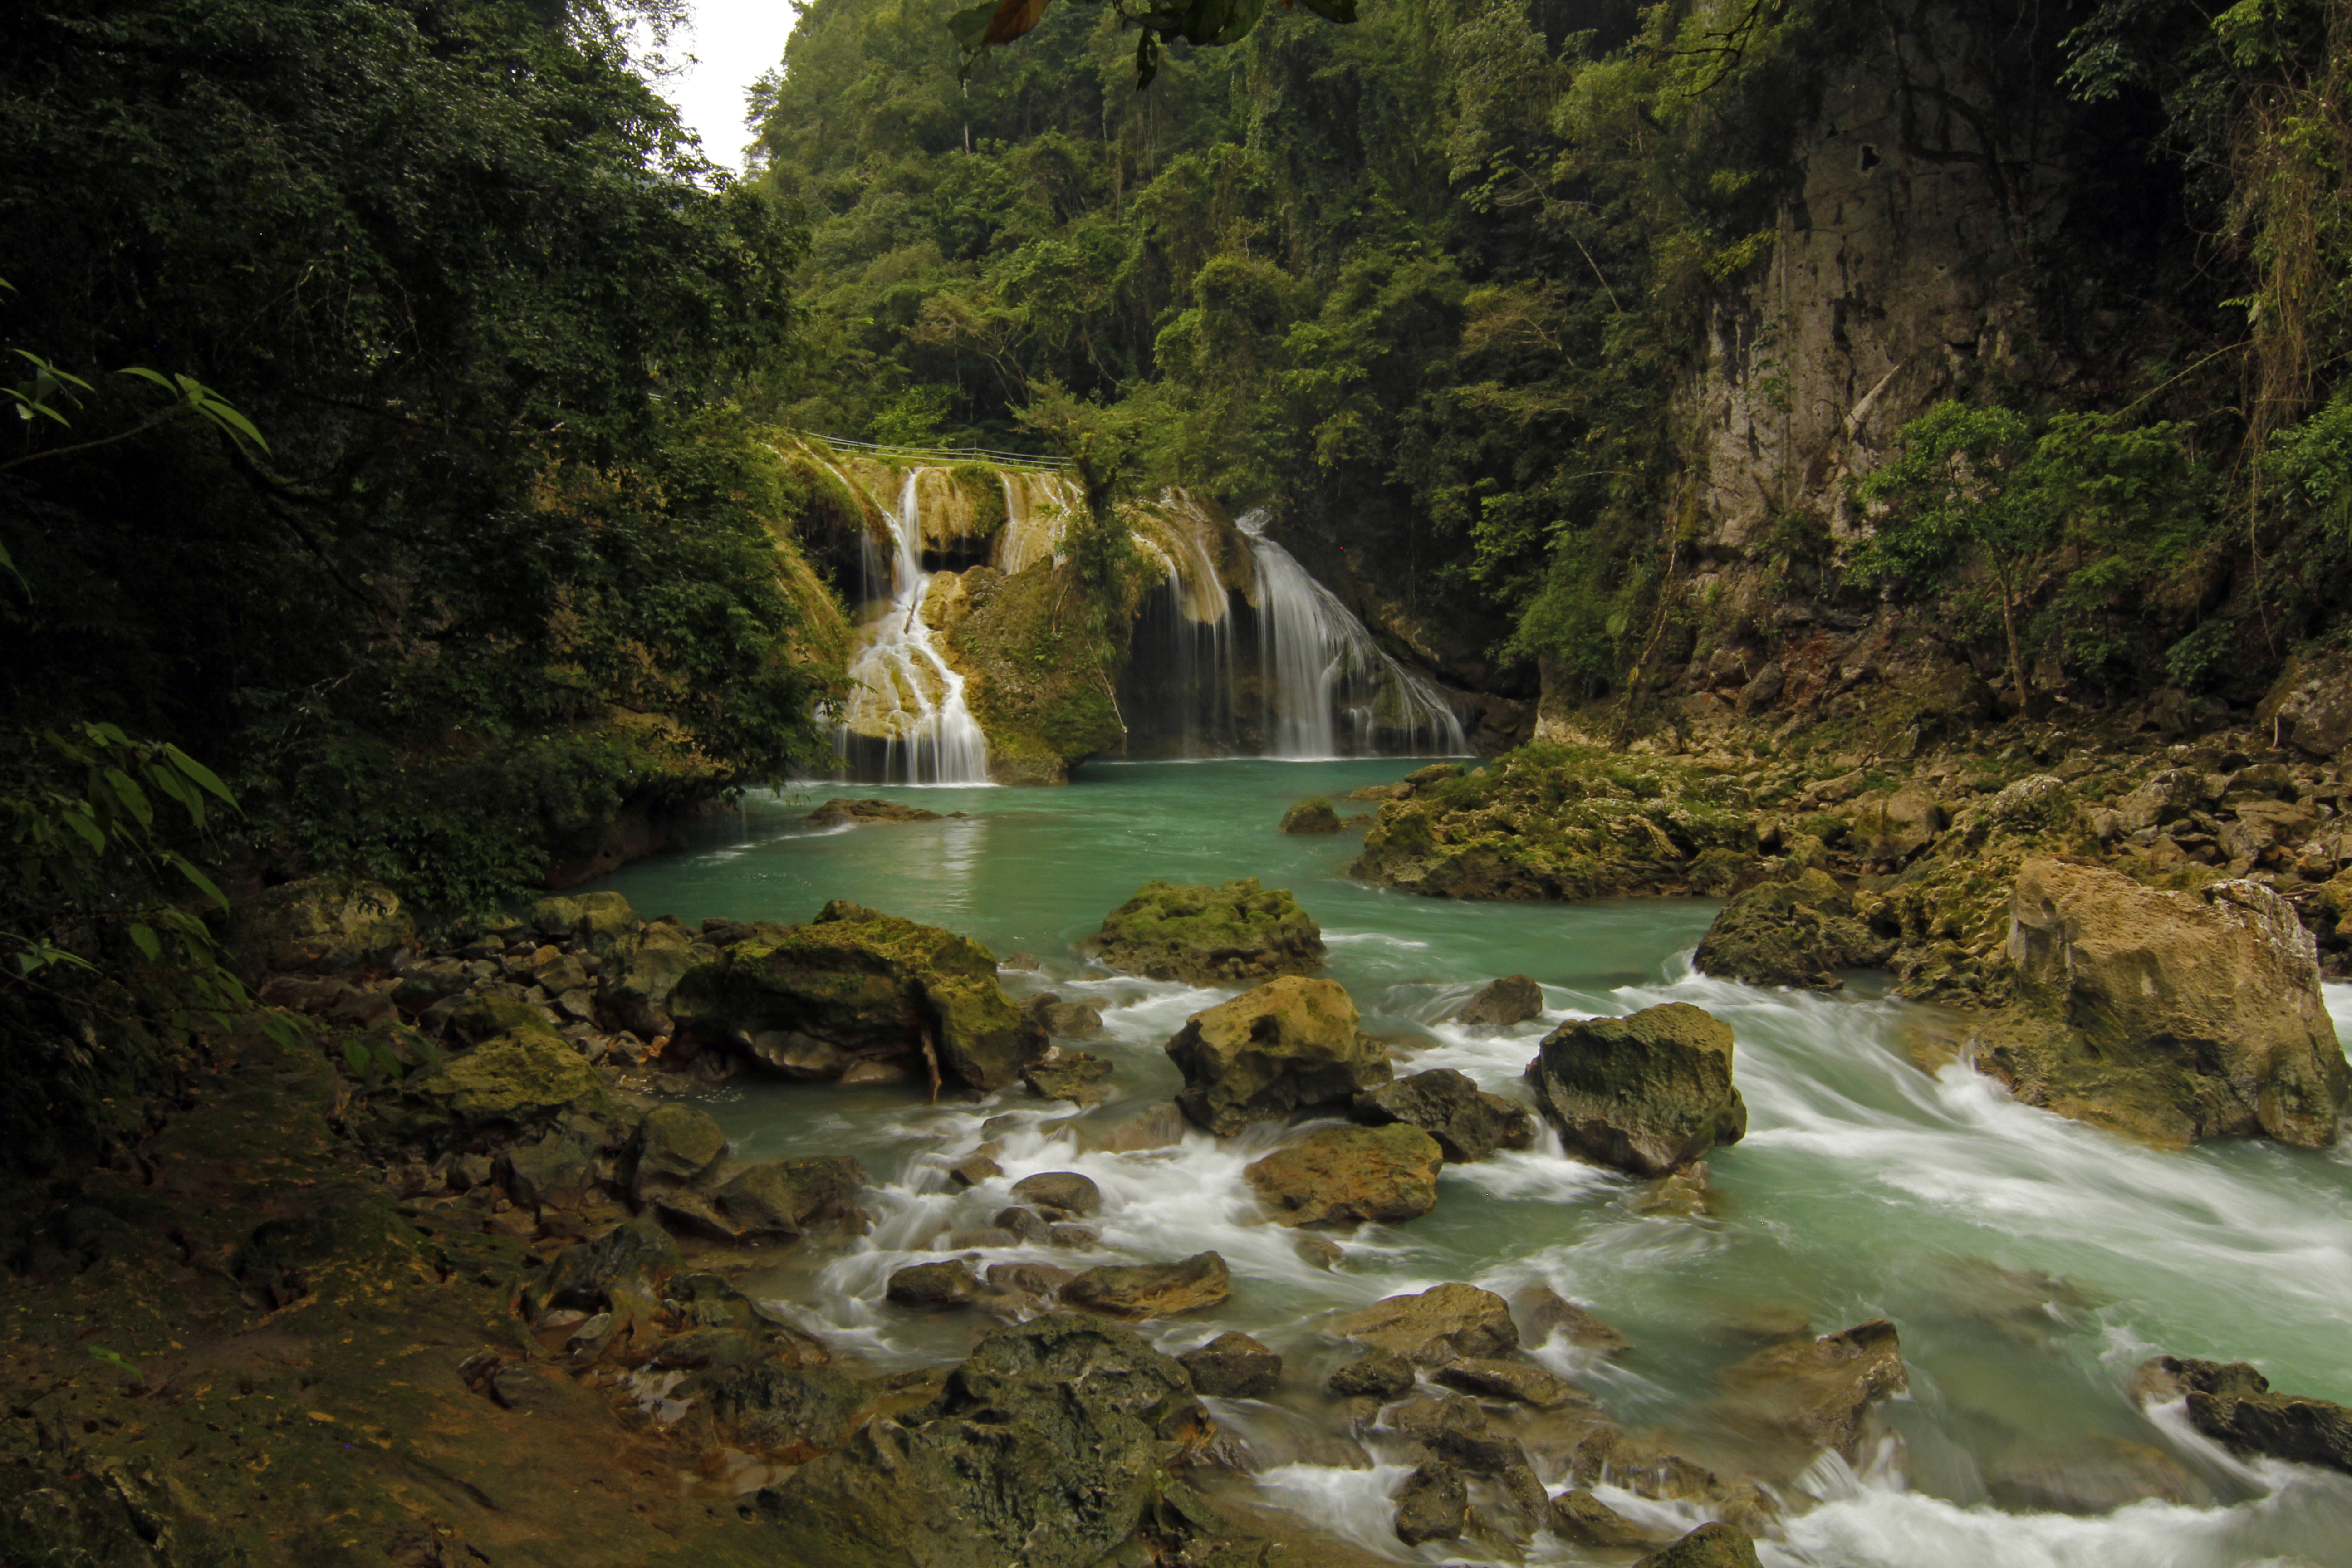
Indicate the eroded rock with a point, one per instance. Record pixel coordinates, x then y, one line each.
1816 1391
1234 1366
2234 1405
1350 1175
1646 1093
1141 1291
1442 1325
1513 999
1433 1504
1793 931
1467 1122
1290 1044
1311 815
1236 932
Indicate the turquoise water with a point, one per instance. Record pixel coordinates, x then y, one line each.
2029 1263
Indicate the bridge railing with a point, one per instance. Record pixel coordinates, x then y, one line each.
947 454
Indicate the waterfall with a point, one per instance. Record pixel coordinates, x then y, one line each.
1328 689
903 691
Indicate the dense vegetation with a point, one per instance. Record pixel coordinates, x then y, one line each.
1432 283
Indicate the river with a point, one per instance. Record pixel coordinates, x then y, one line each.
2030 1263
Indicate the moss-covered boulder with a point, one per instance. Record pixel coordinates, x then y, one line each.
784 1198
855 987
1562 822
1314 815
318 923
1046 1447
2170 1016
1647 1094
1350 1175
640 976
1290 1043
1209 936
1796 931
523 1081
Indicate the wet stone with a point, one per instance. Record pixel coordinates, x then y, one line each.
1234 1366
934 1285
1062 1192
1383 1375
1433 1504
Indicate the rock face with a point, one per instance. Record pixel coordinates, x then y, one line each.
1467 1122
1790 932
1814 1391
1311 815
1350 1175
1648 1093
844 812
1141 1291
1513 999
319 923
1209 936
2175 1016
1290 1044
1232 1366
2233 1405
1446 1323
853 986
1046 1448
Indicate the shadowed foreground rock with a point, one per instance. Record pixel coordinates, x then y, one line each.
1046 1447
1290 1044
1433 1504
1234 1366
1648 1093
2233 1405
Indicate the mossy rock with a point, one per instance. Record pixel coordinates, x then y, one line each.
1793 931
1649 1093
1041 678
318 923
855 984
524 1079
1314 815
486 1014
1238 931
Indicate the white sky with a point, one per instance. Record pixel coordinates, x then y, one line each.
734 43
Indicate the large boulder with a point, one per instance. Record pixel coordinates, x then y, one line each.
597 921
1467 1122
639 1254
786 1414
1290 1044
1444 1323
319 923
1141 1291
2233 1405
1350 1175
2174 1015
855 986
676 1145
1648 1093
1311 815
1209 936
1433 1504
511 1083
1046 1448
1793 931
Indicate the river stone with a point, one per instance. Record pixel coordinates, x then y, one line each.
676 1146
2175 1016
844 812
854 984
933 1285
1350 1175
1234 1366
1383 1375
1026 1223
318 923
1141 1291
1313 814
1065 1020
1161 1127
1544 1312
1074 1076
1045 1448
788 1415
586 1274
1647 1093
1065 1191
784 1198
557 1171
1467 1122
1513 999
1035 1279
1290 1044
1578 1515
524 1079
1792 931
1209 936
1444 1323
2233 1405
1709 1546
639 981
1815 1391
1489 1377
1433 1504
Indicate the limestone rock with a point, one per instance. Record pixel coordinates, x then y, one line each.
1234 1366
1578 1515
558 1170
788 1415
318 923
1161 1127
842 813
1444 1323
2166 797
1209 936
1708 1546
1792 931
2310 704
1815 1391
1380 1373
586 1275
1516 1381
2233 1405
1467 1122
933 1285
1064 1192
1074 1076
1290 1044
1647 1093
1311 815
1350 1175
676 1146
1899 827
784 1198
1136 1291
524 1079
2175 1015
1433 1504
640 977
1046 1448
1544 1312
1513 999
856 985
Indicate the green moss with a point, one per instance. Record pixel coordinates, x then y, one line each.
1042 683
1232 933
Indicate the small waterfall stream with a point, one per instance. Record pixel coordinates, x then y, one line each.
902 686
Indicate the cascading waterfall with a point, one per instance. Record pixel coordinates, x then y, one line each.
902 688
1329 690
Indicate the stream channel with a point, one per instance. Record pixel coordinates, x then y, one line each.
2029 1262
